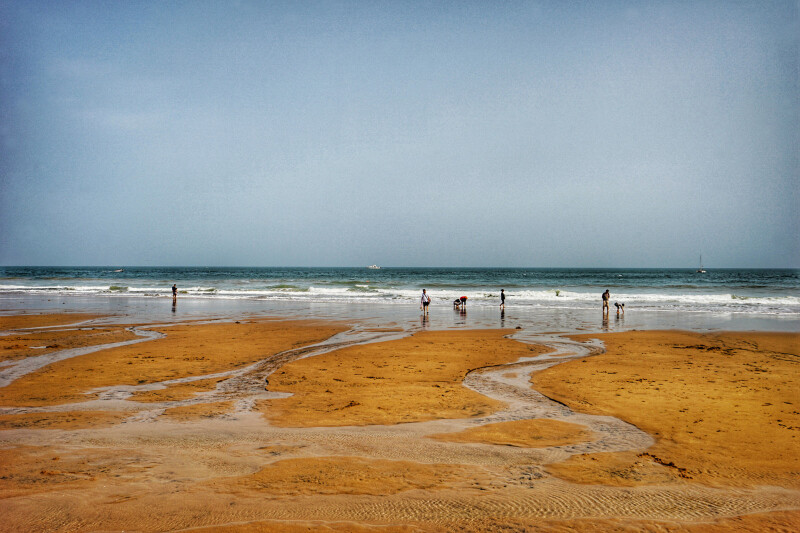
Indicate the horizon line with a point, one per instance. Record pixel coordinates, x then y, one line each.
117 266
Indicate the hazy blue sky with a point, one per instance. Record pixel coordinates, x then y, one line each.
632 134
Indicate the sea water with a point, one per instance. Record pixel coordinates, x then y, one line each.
718 298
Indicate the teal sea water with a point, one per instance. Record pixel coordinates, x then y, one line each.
762 291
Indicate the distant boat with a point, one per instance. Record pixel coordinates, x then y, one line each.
120 270
374 267
701 270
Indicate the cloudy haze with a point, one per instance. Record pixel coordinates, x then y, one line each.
522 134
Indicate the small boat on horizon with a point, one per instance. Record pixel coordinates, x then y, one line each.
374 267
701 270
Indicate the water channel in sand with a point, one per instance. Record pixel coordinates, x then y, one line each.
518 485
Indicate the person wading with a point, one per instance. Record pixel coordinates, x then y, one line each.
424 302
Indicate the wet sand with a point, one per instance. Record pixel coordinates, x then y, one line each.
723 407
275 425
53 332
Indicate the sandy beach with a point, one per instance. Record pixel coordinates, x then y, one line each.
251 425
399 266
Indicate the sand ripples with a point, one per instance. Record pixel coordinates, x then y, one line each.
507 482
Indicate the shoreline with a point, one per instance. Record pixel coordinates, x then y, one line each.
237 421
135 309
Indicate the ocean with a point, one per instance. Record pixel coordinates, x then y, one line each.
772 292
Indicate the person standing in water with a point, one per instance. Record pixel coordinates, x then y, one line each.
606 296
174 291
424 302
502 299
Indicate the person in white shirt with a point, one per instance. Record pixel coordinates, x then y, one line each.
424 302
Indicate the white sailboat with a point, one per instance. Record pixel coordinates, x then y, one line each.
701 270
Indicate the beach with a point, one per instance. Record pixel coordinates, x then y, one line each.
284 423
395 267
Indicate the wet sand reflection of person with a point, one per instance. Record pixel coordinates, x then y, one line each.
461 314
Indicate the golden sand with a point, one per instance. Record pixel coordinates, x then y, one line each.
408 380
62 420
40 469
187 350
199 411
780 522
10 322
724 407
17 346
345 475
177 391
536 433
314 527
340 456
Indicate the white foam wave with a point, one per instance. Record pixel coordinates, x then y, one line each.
554 298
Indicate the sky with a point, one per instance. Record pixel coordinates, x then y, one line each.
303 133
